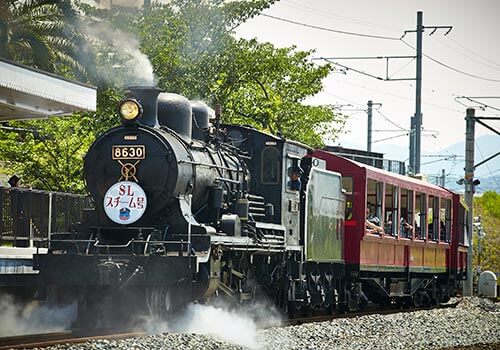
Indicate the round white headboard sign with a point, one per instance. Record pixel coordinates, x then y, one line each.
125 202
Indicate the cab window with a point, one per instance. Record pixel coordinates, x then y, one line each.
294 172
270 165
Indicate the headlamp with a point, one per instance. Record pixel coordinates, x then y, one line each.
130 109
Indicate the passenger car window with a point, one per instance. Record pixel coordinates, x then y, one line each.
420 216
347 186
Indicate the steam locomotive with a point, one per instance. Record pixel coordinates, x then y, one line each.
188 209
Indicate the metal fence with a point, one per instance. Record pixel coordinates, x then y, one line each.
28 215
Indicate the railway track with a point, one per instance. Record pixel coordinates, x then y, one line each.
42 340
79 336
323 318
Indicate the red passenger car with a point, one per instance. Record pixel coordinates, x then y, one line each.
404 238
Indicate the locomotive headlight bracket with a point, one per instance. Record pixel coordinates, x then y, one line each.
130 109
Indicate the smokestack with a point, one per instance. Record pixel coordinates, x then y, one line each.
148 98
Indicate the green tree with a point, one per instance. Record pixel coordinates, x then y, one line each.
48 154
42 34
488 208
193 52
266 87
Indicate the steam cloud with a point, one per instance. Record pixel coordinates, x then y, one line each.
106 4
18 319
238 326
130 61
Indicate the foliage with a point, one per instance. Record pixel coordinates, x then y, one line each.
256 84
189 46
488 208
48 154
42 34
266 87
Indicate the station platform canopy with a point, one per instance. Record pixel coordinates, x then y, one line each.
28 93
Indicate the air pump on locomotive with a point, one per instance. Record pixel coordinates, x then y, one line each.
189 210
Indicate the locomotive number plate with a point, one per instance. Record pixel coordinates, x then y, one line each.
128 152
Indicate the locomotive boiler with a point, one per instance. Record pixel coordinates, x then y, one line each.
170 175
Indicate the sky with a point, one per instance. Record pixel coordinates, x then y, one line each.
472 46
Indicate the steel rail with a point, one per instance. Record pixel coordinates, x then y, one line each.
375 311
42 340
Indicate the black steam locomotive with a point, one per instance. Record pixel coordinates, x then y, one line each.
189 209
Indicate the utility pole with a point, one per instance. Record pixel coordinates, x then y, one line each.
369 111
412 146
443 178
418 93
469 191
415 144
369 136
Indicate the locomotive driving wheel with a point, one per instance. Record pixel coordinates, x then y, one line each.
165 302
159 302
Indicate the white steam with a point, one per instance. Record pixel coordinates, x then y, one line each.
128 58
121 3
32 317
232 327
238 326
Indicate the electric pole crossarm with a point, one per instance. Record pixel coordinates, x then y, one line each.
354 70
387 58
361 57
486 160
434 29
487 126
487 118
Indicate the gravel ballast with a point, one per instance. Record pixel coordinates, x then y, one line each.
473 321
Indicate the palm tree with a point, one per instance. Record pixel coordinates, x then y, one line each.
42 34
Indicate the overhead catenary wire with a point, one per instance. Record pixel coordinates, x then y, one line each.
440 160
398 96
452 68
343 99
389 120
442 42
474 99
299 5
401 68
363 35
474 53
390 138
